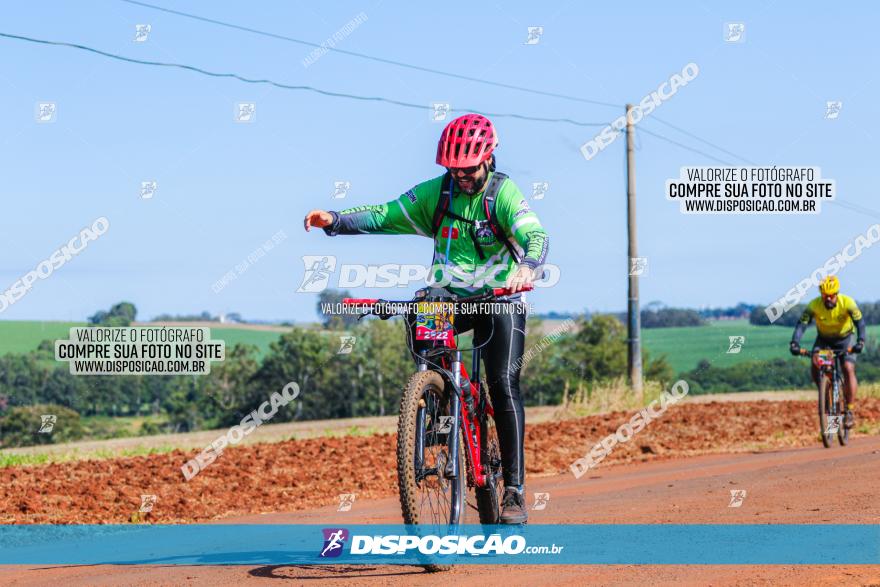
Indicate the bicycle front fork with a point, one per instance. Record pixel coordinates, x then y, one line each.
453 464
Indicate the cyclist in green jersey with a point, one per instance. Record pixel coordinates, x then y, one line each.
485 235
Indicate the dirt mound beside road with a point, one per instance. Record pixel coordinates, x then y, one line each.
300 474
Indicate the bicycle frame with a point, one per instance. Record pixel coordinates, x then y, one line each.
828 363
467 406
835 369
467 403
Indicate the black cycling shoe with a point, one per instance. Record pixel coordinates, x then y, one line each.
513 507
849 420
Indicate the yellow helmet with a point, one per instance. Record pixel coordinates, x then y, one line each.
829 286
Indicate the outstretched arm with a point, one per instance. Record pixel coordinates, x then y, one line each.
405 215
318 219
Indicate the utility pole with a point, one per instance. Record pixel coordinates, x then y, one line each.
633 317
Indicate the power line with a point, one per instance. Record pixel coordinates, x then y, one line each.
704 141
683 146
857 208
854 207
430 70
373 57
292 87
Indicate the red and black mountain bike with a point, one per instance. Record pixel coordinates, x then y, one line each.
447 444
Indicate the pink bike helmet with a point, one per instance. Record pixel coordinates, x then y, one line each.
466 141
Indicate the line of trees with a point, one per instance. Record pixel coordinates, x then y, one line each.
790 373
203 317
365 382
741 310
656 315
668 317
592 353
121 314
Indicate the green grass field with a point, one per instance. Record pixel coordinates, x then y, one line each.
23 336
232 336
683 347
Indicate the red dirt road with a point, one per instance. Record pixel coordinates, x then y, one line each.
807 485
301 474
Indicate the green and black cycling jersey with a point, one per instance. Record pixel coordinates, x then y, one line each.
454 250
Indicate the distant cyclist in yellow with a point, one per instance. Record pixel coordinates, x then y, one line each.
837 316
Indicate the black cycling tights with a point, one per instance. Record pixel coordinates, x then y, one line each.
506 332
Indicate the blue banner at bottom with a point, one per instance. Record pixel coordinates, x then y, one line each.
603 544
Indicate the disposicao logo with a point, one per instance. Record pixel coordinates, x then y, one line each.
334 542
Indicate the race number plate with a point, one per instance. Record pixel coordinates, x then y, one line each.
434 321
824 358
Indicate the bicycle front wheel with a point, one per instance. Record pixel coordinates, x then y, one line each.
842 431
825 409
427 495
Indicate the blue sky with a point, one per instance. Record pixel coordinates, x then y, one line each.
226 187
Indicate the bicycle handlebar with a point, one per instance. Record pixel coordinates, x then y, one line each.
496 292
805 352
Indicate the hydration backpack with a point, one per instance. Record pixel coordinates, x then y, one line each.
478 228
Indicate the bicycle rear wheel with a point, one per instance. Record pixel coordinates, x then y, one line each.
489 497
427 496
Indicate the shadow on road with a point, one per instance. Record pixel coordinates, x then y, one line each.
305 572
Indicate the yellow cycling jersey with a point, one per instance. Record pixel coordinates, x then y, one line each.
836 322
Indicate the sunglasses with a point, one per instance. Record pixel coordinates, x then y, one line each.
455 171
